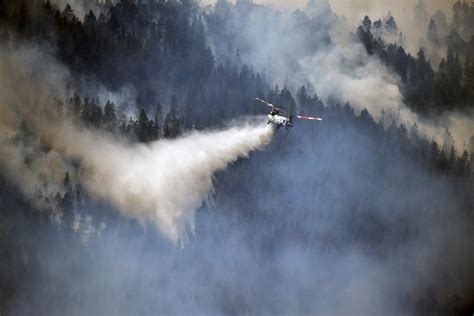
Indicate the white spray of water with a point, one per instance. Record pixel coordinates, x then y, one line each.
163 182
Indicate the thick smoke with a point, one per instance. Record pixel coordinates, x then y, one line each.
348 74
412 24
318 52
163 182
354 11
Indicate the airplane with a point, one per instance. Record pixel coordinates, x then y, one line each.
282 118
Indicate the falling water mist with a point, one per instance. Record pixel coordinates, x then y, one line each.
163 182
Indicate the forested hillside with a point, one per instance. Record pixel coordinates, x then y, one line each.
428 87
361 213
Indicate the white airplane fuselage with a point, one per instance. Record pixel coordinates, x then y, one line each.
279 120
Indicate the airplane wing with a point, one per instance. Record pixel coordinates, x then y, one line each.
310 118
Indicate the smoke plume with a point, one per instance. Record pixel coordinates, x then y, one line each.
320 53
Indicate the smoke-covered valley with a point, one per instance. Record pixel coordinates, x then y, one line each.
138 176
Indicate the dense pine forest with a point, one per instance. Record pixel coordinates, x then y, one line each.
364 213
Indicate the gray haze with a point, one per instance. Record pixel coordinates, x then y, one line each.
309 225
293 54
354 11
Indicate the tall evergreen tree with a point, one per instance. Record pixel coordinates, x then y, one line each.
391 26
142 125
24 19
171 127
432 35
110 118
457 15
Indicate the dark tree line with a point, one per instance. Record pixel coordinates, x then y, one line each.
142 129
157 46
428 88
